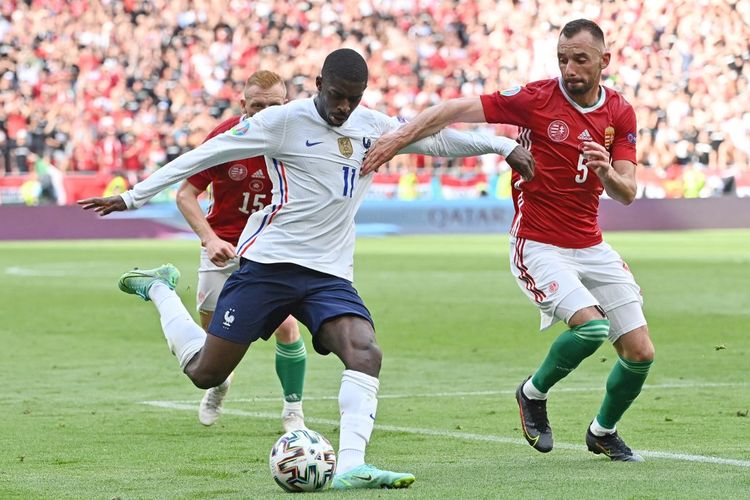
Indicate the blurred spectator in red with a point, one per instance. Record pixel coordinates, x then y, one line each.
72 71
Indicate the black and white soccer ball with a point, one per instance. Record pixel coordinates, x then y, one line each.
302 460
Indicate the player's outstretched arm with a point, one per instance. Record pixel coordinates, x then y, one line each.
428 122
104 206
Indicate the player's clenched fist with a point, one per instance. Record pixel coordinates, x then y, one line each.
597 158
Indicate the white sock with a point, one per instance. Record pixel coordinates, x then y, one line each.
358 404
291 407
597 429
184 337
532 392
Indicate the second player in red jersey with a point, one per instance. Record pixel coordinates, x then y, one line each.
582 136
240 188
560 206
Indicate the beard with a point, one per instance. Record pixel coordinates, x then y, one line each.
578 87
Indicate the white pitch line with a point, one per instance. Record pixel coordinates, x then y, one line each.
456 435
503 392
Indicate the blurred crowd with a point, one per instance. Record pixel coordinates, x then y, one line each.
125 86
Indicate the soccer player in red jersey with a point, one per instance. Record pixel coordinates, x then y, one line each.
582 137
240 188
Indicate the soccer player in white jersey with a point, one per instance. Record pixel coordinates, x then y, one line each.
297 253
239 188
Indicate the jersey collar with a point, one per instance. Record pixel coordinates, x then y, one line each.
599 103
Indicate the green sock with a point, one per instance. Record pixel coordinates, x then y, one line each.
568 350
290 367
623 386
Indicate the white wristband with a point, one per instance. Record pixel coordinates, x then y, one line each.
504 146
127 197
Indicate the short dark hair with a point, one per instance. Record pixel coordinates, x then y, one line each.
574 27
345 64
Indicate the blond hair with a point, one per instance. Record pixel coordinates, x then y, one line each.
264 79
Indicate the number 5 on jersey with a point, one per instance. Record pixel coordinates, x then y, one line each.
584 170
350 177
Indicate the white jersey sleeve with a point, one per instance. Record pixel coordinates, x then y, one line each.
256 136
451 143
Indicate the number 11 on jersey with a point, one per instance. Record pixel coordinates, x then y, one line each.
350 176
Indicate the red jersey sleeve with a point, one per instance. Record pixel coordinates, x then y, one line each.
511 105
623 146
201 180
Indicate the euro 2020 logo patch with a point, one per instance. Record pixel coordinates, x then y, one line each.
511 91
241 128
558 131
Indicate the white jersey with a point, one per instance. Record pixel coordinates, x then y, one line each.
315 169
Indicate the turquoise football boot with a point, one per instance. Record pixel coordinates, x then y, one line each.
368 476
139 281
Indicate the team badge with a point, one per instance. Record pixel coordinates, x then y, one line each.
609 136
241 128
631 138
256 185
558 131
553 287
237 172
345 146
511 91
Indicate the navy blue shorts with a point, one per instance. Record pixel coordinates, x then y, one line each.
257 298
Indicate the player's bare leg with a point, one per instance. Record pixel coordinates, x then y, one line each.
291 359
212 402
207 360
352 339
214 362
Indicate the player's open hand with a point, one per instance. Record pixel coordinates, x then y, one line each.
220 252
381 152
104 206
597 158
521 161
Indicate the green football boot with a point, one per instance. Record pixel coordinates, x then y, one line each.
139 281
368 476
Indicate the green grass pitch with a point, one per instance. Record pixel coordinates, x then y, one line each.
94 405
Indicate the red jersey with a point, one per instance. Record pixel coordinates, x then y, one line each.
239 189
560 206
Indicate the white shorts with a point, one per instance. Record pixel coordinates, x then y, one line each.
211 279
562 281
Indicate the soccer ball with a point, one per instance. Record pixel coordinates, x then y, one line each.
302 460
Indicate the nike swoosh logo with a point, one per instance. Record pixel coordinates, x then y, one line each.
310 144
364 478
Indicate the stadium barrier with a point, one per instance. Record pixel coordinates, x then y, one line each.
375 218
440 184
